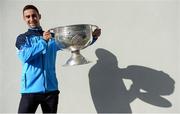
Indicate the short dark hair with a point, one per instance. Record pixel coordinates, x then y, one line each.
30 7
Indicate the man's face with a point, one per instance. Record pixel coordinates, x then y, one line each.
31 17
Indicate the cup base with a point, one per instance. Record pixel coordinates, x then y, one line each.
76 59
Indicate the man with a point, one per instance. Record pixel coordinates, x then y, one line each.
37 52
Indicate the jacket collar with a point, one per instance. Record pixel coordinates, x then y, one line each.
36 31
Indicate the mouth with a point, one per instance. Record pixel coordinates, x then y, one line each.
33 24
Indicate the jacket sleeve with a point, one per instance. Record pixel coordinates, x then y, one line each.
27 52
59 46
94 40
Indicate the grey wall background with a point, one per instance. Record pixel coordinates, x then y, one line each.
139 39
0 55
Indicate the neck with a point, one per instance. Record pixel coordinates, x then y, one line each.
35 28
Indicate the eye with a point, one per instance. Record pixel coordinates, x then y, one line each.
28 16
34 16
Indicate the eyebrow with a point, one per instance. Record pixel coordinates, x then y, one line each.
33 15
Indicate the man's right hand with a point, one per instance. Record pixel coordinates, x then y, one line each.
46 35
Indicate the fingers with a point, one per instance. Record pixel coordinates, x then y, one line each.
47 35
96 33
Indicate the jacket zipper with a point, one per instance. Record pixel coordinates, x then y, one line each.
44 74
44 70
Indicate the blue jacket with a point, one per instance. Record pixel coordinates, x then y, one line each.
38 59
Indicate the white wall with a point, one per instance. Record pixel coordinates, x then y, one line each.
141 34
0 54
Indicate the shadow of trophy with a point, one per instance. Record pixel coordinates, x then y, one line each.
74 38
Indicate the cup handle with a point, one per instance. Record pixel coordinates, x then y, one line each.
51 30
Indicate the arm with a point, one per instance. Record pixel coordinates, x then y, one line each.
26 52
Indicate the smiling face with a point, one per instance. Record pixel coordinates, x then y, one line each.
32 18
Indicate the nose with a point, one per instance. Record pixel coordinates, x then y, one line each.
31 18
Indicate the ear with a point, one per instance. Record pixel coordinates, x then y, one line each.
39 16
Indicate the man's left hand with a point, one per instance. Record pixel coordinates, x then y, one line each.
96 33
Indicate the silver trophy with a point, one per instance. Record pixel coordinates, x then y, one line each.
74 38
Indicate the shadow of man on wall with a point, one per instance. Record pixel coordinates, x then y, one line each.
109 92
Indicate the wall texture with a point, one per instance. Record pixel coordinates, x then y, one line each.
0 54
135 62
